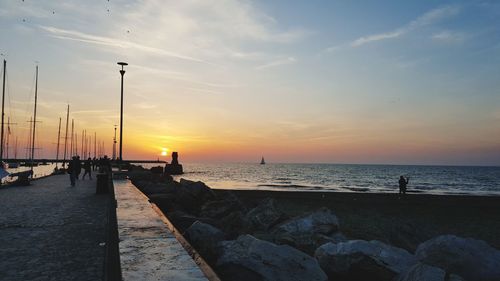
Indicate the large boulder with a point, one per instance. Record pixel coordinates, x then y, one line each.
138 173
187 201
183 220
249 258
233 224
301 232
423 272
198 189
470 258
150 187
220 208
166 202
204 238
363 260
264 216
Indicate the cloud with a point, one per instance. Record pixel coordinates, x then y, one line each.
284 61
426 19
111 42
447 36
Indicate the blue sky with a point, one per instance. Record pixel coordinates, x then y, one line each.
404 82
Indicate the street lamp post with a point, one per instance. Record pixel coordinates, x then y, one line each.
122 72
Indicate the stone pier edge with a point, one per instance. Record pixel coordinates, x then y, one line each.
202 264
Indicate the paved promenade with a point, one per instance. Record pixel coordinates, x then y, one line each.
52 231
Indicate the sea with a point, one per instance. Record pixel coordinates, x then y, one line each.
469 180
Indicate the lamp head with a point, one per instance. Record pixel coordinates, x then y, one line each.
122 64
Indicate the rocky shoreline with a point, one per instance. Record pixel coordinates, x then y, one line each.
255 235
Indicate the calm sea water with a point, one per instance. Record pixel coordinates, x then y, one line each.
340 177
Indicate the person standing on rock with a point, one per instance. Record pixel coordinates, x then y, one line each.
72 165
87 166
402 185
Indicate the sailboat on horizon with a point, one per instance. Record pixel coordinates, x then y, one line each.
262 162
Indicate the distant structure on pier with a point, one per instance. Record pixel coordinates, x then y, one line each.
174 168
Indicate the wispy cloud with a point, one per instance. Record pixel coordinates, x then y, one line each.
426 19
447 36
284 61
111 42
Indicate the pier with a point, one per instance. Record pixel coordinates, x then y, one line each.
52 231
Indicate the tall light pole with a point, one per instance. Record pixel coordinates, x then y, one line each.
122 72
114 146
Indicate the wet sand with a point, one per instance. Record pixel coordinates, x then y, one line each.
402 222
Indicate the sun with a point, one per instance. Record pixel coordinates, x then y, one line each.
164 151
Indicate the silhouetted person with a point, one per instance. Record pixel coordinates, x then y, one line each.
402 184
78 167
87 166
105 165
94 163
73 163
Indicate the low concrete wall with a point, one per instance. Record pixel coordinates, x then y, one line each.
148 249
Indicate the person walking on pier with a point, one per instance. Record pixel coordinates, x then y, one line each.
87 166
72 165
78 167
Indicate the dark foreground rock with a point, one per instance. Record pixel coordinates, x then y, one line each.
264 216
470 258
204 237
249 258
363 260
302 232
423 272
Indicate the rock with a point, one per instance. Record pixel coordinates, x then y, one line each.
249 258
139 174
204 238
188 201
157 170
181 220
363 260
470 258
423 272
153 188
166 202
233 224
300 231
264 216
198 189
220 208
337 237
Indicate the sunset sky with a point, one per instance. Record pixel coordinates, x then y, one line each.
399 82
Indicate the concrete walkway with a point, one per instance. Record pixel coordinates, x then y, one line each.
148 250
52 231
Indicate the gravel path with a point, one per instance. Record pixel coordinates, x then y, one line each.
52 231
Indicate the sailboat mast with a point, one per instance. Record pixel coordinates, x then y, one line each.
72 135
58 139
15 149
27 150
7 139
34 120
3 101
66 137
